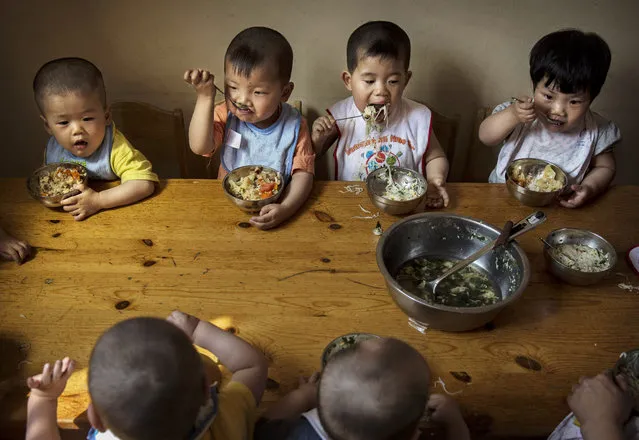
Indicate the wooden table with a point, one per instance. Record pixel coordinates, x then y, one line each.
291 290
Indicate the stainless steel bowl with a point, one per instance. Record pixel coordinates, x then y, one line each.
342 342
33 183
376 188
577 236
442 235
527 196
249 205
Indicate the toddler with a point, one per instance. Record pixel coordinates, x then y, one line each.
13 249
255 125
567 69
378 59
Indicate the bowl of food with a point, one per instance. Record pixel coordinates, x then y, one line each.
578 257
52 183
535 182
252 187
396 190
421 247
628 366
343 342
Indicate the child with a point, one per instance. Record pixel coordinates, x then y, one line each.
376 390
602 407
567 69
146 380
13 249
255 125
71 97
378 58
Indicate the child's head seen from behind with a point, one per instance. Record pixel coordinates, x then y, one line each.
71 97
376 390
257 70
377 59
146 380
568 69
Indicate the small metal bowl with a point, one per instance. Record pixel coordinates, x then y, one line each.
249 205
628 366
376 187
33 183
342 342
577 236
527 196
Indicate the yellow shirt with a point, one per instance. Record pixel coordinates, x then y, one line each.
127 162
236 414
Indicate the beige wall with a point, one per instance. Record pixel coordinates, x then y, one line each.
466 54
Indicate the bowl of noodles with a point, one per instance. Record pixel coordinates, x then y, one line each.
396 190
535 182
252 187
52 183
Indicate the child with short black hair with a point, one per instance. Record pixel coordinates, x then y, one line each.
255 125
71 97
568 69
400 132
147 381
375 390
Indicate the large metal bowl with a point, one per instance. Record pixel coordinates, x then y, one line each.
577 236
442 235
33 183
376 188
527 196
249 205
342 342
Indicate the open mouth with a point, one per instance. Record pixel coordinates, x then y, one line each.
376 112
241 107
80 145
555 122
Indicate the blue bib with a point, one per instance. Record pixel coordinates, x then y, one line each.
273 146
98 164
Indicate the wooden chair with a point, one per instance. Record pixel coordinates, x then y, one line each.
445 129
480 159
159 134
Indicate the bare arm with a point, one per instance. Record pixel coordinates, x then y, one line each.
247 364
495 128
88 202
596 181
201 137
436 174
295 196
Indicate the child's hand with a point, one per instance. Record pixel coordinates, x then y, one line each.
436 194
579 196
84 204
525 111
202 81
598 401
307 391
270 216
13 249
51 382
184 322
323 128
445 410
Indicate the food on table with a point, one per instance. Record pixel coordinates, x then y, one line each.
259 184
60 181
545 181
376 117
581 257
467 287
401 190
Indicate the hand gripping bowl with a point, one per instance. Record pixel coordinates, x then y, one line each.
33 183
443 235
527 196
249 205
376 187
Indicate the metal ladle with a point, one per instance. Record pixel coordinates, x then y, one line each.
509 233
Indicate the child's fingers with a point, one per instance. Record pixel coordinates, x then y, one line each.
45 378
68 365
57 371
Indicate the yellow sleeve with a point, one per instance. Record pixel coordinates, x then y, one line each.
128 163
236 414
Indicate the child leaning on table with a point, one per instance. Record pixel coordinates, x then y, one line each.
601 410
71 97
255 125
567 69
378 58
147 381
375 390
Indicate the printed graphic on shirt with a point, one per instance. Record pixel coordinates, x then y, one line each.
377 152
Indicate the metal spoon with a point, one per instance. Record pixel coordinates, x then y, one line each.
554 248
509 233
